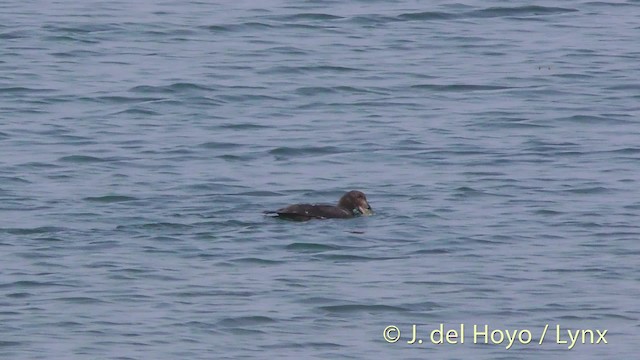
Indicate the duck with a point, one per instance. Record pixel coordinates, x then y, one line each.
352 204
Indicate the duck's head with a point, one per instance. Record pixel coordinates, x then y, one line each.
355 202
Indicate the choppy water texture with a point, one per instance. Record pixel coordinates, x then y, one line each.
140 142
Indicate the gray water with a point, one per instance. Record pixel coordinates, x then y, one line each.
140 142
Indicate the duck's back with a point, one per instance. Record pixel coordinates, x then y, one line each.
302 212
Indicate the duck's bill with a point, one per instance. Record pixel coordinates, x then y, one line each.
365 211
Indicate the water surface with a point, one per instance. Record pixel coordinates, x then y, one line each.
141 141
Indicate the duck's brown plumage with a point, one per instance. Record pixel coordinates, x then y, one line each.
351 204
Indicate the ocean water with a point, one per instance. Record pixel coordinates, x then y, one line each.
497 142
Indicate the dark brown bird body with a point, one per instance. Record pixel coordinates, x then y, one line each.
351 204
